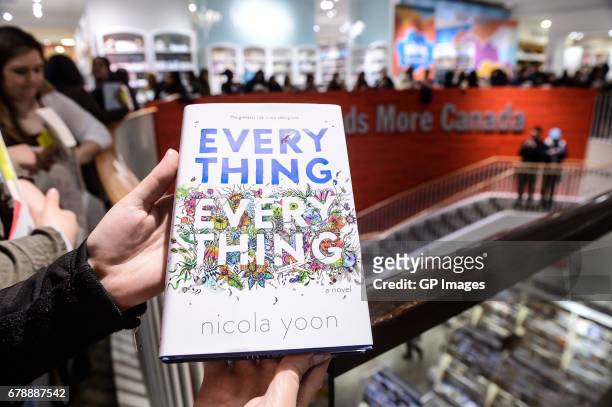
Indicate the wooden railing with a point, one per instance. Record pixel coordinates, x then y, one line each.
116 175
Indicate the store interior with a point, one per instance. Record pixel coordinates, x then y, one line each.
528 345
320 38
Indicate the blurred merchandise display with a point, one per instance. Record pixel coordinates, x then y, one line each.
514 351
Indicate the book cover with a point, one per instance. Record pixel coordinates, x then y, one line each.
264 255
22 223
57 126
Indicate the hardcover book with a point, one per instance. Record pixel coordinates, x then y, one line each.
21 223
264 254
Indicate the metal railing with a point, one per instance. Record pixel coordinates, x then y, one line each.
496 174
602 116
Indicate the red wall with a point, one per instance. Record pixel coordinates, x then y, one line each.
385 163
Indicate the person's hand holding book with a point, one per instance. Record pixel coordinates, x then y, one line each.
128 248
291 381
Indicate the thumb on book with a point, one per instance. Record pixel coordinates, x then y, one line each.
159 179
285 388
52 198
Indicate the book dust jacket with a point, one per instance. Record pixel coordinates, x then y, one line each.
264 255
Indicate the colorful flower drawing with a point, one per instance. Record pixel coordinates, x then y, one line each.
194 263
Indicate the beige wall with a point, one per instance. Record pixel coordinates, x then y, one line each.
599 152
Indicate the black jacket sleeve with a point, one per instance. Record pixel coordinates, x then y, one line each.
54 314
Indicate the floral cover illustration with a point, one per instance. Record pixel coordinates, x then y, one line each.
190 271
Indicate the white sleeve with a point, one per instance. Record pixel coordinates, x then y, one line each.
80 122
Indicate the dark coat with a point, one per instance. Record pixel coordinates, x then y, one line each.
54 314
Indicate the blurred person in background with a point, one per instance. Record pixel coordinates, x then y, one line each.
107 90
521 77
564 80
554 154
599 75
462 80
288 85
310 85
101 70
449 80
384 80
335 84
201 85
63 74
273 85
152 86
172 88
257 83
230 87
123 77
536 77
499 78
549 80
361 83
190 78
426 88
31 143
532 151
473 80
407 81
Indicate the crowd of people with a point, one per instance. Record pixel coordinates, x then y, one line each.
529 76
115 98
258 83
72 272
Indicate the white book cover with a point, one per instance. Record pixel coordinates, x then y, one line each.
264 255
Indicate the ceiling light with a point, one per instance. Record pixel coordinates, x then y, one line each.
244 13
545 24
7 16
579 36
357 28
316 28
59 49
332 13
610 33
212 17
573 35
37 10
192 7
326 5
67 42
